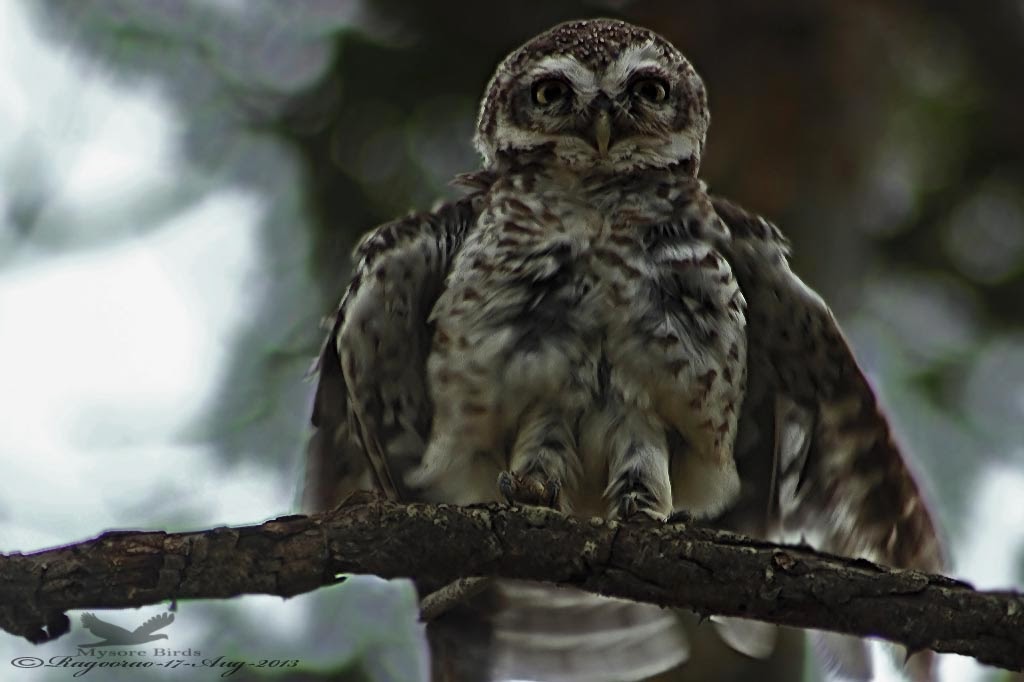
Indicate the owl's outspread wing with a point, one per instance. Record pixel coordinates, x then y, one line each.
838 479
371 412
815 452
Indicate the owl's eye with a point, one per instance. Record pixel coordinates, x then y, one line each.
550 91
651 89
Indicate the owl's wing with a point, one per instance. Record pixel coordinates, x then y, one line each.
815 452
372 412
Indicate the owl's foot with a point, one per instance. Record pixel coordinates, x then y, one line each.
529 489
635 492
636 504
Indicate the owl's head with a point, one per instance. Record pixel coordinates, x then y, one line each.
598 93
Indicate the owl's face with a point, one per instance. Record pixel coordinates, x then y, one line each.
597 93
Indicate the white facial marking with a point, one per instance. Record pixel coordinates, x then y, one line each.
582 79
631 60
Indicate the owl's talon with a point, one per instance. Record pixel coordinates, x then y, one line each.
633 505
507 486
682 517
629 506
649 514
530 490
552 489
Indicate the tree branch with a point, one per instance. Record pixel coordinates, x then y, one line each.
711 572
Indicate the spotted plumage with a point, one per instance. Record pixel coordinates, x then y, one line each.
571 346
589 329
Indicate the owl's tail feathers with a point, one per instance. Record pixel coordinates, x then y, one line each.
752 638
561 634
843 657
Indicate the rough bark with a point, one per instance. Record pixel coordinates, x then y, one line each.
710 572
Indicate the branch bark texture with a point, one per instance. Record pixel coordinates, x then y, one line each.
708 571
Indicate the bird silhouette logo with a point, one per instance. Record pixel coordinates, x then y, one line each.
115 635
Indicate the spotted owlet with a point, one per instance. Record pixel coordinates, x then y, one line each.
588 328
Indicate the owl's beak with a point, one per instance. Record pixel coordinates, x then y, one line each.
602 131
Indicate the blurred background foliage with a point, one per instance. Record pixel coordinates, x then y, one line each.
884 137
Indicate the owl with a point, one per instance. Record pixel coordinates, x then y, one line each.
589 329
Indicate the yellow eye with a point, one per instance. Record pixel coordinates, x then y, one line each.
651 89
549 91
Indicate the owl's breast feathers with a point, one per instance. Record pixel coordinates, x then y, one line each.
603 299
